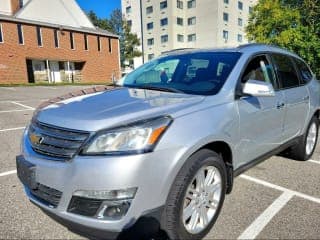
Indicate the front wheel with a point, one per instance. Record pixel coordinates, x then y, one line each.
307 143
196 197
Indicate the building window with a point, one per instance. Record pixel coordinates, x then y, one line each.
71 40
239 38
20 34
39 36
85 38
192 37
226 1
163 5
150 26
150 41
56 38
179 4
180 21
240 22
110 45
225 35
128 9
1 34
164 38
150 56
99 43
250 10
149 10
191 3
225 17
180 38
129 23
192 21
240 5
20 3
164 22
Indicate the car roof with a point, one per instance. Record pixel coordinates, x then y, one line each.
250 48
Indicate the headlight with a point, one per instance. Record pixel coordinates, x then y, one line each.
136 138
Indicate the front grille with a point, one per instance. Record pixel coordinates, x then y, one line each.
47 195
55 143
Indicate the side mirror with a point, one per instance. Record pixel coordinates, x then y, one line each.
258 89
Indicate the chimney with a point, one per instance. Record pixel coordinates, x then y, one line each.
15 6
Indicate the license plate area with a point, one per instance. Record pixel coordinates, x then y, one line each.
26 172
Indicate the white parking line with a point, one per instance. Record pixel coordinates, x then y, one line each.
8 88
28 100
19 110
54 88
8 173
282 189
258 225
314 161
11 129
22 105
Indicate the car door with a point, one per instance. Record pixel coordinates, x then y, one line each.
295 93
261 118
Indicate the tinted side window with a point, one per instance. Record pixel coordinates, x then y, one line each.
304 71
259 69
286 72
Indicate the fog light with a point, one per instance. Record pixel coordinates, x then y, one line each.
106 205
121 194
113 209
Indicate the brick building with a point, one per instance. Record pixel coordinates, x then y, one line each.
54 41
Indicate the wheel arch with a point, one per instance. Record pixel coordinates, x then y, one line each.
317 113
224 150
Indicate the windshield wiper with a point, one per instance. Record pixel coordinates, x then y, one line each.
156 88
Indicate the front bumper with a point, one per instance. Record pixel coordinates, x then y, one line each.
149 173
137 231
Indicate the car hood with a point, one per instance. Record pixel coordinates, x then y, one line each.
106 109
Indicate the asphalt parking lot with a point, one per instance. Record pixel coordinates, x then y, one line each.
279 198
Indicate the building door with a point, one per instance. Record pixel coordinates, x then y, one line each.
55 72
70 71
30 71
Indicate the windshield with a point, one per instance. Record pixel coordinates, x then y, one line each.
193 73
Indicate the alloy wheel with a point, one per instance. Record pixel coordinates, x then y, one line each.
202 199
311 138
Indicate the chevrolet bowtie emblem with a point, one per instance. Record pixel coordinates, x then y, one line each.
36 139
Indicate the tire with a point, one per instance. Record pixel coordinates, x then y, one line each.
301 151
176 210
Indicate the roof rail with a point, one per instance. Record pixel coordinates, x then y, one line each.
176 50
257 44
251 45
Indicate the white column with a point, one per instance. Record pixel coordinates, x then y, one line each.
69 71
48 71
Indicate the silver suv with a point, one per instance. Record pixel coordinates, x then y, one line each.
161 151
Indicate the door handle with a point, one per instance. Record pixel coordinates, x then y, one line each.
280 105
306 98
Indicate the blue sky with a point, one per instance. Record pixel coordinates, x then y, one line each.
102 8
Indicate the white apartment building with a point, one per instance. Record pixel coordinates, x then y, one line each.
164 25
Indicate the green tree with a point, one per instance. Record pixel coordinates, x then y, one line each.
116 21
129 42
291 24
99 22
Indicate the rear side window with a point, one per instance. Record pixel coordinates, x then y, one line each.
304 71
259 69
285 69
